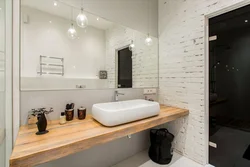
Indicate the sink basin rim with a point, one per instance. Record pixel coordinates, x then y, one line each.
124 111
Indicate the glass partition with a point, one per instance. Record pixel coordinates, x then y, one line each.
2 83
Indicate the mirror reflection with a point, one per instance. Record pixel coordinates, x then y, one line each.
66 47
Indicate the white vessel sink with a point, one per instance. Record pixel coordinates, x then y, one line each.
116 113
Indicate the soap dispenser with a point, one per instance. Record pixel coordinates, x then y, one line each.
62 118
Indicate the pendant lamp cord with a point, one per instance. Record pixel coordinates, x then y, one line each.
72 15
148 17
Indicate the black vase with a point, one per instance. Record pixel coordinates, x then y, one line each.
41 124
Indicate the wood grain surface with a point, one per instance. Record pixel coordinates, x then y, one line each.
78 135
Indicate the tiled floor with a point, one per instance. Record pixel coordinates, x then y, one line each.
142 160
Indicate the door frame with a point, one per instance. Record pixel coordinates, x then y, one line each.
206 71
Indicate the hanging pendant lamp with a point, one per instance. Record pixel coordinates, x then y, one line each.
72 34
81 19
148 40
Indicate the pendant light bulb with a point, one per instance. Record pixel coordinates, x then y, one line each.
132 46
81 19
55 3
72 34
148 41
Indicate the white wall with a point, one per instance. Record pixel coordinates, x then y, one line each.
58 83
83 57
144 59
59 99
182 69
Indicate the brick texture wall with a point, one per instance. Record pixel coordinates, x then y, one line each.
145 59
182 68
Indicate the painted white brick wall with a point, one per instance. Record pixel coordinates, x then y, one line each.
181 68
145 59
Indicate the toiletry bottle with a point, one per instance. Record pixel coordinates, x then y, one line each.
69 112
62 118
81 113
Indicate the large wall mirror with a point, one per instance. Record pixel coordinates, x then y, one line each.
56 53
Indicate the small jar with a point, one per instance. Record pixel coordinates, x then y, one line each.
62 118
69 114
81 113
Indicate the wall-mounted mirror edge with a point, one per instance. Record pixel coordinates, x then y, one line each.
68 89
95 73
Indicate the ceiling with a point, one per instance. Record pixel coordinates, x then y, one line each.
63 10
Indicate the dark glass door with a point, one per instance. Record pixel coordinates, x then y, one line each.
124 68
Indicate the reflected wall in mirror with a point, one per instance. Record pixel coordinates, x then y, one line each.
102 55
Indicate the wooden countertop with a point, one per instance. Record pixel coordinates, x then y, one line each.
78 135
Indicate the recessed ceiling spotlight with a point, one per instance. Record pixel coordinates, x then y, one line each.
97 18
50 21
55 3
0 8
246 21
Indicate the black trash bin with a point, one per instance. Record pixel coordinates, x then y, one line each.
161 151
